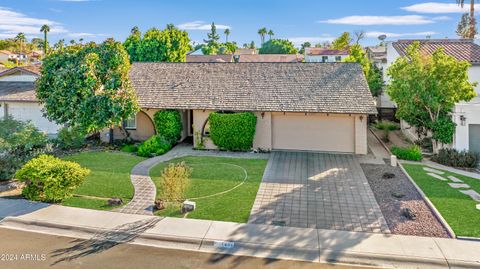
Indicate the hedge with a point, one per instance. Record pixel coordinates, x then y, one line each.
50 179
154 146
233 131
168 124
454 158
412 153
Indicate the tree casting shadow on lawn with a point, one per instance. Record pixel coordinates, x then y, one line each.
104 241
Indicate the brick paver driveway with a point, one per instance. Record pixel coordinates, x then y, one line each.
317 190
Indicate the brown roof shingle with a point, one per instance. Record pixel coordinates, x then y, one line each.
284 87
17 91
460 49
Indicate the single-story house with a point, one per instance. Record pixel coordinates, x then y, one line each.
299 106
325 55
17 99
465 114
21 73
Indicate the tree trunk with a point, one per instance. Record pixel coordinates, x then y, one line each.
110 135
472 19
435 146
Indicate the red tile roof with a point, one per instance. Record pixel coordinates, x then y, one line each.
460 49
270 58
324 51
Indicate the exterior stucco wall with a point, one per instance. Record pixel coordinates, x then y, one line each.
471 112
361 134
30 111
145 128
319 58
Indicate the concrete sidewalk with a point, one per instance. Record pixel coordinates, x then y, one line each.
266 241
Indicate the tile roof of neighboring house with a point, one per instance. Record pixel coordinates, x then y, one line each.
461 49
209 58
17 91
324 51
245 51
284 87
270 58
31 69
7 52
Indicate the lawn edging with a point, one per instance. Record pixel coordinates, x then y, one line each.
437 214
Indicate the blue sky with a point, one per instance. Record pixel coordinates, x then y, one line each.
299 21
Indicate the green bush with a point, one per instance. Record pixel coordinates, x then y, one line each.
386 125
50 179
154 146
412 153
19 142
175 180
454 158
168 124
130 148
70 138
233 131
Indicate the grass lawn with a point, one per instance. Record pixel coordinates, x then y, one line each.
458 209
109 177
212 175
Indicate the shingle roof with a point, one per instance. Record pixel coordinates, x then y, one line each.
324 51
460 49
284 87
30 69
270 58
209 58
17 91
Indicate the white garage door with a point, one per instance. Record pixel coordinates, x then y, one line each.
314 133
32 112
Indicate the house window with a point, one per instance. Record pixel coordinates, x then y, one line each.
338 58
324 59
130 123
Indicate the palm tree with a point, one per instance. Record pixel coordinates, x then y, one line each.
270 34
262 32
227 33
20 38
81 40
45 29
472 16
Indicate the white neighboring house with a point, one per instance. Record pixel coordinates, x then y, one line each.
6 55
465 115
21 73
17 99
322 55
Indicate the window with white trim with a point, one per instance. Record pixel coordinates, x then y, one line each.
130 123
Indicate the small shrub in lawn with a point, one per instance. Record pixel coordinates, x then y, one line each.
175 180
169 124
50 179
412 153
233 131
454 158
154 146
70 138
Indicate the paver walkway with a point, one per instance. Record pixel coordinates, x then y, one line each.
145 190
317 190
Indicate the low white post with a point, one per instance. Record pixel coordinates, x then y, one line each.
393 160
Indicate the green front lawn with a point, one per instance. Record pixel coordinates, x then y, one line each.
458 209
212 175
109 177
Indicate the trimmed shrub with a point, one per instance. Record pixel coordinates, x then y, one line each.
50 179
154 146
412 153
130 148
454 158
70 138
175 180
233 131
169 125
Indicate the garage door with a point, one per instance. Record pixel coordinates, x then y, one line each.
32 112
474 137
314 133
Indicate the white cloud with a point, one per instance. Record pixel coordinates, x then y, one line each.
439 8
200 25
441 18
380 20
15 22
376 34
83 35
297 41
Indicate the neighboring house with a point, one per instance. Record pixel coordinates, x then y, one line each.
465 115
242 51
323 55
269 58
17 99
225 58
299 106
21 73
377 55
6 55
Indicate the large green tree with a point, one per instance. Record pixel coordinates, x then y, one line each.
426 89
262 32
132 44
45 29
87 86
342 42
278 46
169 45
21 40
372 73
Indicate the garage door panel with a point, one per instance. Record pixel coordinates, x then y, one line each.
315 133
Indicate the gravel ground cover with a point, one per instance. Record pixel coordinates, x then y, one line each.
394 195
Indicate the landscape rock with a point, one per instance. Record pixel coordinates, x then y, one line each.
159 204
115 201
188 206
388 175
397 194
409 214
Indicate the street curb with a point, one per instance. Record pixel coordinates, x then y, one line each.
429 203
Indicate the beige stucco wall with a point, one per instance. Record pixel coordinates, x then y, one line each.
361 129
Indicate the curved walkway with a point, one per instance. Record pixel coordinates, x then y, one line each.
145 190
